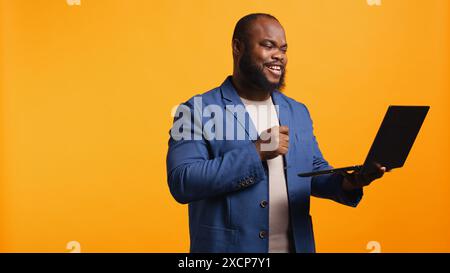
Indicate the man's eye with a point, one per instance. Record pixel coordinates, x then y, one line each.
268 46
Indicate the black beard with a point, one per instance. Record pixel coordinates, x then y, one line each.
256 77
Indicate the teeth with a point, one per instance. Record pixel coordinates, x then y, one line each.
275 67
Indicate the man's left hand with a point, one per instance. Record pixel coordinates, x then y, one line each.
357 180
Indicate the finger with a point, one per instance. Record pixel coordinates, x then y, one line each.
283 145
284 129
369 178
284 138
365 179
346 175
381 171
374 176
282 150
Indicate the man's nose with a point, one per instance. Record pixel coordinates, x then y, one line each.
279 56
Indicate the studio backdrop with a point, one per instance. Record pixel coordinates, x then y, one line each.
87 90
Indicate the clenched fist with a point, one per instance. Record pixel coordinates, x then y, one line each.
273 142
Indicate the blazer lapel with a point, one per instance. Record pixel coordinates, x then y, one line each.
231 97
283 116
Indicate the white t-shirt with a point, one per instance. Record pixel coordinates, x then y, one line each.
264 116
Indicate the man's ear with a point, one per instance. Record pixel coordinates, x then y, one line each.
238 47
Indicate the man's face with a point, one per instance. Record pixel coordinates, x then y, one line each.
263 61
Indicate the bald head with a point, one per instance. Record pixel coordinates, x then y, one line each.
241 30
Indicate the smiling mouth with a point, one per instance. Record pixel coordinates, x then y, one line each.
275 69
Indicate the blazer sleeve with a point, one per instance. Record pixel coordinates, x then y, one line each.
330 186
193 175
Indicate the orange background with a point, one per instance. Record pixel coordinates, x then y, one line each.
87 92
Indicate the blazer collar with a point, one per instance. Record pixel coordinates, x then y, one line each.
229 93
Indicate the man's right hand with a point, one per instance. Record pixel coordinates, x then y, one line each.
273 142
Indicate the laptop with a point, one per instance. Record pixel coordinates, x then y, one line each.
392 144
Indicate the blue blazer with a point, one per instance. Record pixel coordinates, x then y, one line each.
224 181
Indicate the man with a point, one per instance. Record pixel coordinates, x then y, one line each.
244 195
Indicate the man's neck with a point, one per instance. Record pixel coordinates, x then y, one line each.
247 91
